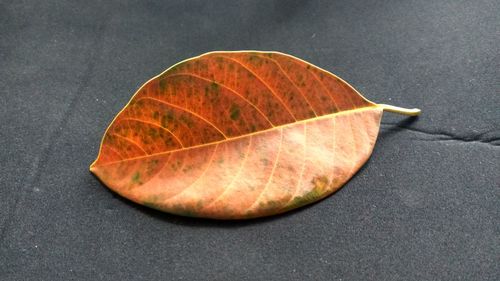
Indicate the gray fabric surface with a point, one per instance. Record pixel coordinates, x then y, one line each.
425 207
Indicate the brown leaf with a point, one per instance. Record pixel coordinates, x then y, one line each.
233 135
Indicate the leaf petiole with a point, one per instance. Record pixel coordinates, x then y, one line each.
401 110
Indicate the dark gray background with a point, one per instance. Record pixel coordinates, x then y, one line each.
425 207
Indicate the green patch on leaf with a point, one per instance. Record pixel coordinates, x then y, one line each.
153 202
320 184
183 211
136 178
167 118
214 86
234 112
269 205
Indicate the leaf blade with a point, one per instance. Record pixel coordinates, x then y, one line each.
192 192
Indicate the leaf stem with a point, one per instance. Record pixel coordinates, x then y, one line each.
400 110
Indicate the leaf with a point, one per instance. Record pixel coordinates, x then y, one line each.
231 135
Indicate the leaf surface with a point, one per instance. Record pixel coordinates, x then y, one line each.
231 135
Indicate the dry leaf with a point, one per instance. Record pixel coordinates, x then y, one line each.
233 135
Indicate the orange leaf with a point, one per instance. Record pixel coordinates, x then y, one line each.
233 135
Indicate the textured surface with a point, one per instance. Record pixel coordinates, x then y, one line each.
425 206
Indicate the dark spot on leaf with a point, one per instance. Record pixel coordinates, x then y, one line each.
186 120
214 86
183 211
153 205
234 112
136 178
175 165
320 182
108 138
167 118
151 166
153 133
169 142
264 161
269 205
164 122
162 84
187 168
199 205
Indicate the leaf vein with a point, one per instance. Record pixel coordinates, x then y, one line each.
130 141
251 134
156 125
114 151
186 110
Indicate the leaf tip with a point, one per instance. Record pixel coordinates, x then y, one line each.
92 168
